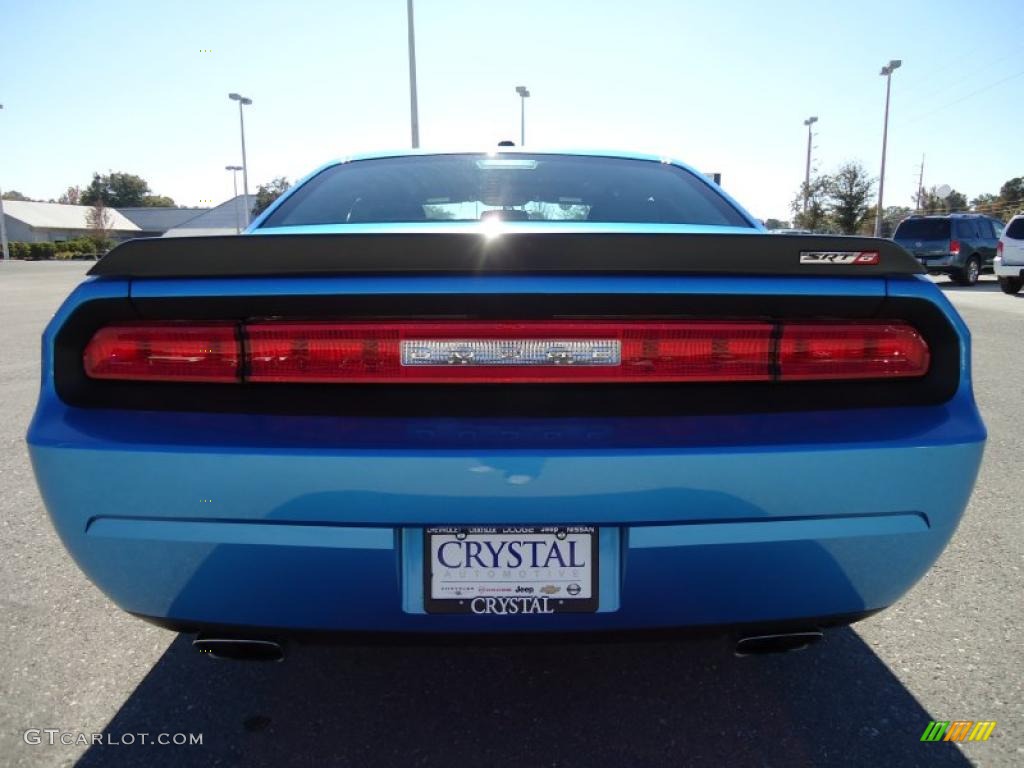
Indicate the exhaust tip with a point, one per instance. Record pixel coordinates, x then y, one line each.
757 645
239 649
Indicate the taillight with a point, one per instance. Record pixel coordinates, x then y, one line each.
164 352
999 248
506 351
954 247
854 351
498 352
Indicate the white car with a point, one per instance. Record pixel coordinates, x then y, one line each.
1009 261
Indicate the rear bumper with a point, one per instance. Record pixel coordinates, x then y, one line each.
1007 270
327 542
940 263
313 522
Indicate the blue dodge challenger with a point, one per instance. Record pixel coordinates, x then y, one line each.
505 392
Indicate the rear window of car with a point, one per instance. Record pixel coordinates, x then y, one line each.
512 187
923 229
1015 229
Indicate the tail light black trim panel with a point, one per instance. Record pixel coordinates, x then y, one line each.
517 400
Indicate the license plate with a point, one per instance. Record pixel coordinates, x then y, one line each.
510 571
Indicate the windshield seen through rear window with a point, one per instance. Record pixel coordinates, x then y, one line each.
510 187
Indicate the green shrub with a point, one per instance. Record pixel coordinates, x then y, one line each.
82 245
68 246
100 247
41 250
18 250
80 248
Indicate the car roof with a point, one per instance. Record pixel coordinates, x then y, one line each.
494 150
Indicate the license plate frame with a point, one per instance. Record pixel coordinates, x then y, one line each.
547 592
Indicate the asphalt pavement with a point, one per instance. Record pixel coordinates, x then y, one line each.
950 650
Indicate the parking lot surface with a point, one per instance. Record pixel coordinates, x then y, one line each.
950 650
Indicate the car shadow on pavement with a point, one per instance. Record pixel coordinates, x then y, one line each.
985 284
649 703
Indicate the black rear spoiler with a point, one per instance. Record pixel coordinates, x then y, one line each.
509 253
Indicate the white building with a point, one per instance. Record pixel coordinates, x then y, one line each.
31 222
155 221
224 219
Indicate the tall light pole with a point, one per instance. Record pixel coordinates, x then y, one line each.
920 184
807 172
234 183
886 72
243 102
414 115
524 94
3 224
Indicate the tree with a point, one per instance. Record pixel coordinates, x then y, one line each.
98 219
555 212
268 193
986 203
815 217
71 196
849 190
438 212
954 201
776 224
116 190
892 215
1011 196
157 201
13 194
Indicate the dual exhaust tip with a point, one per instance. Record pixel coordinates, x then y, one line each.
239 649
264 649
781 642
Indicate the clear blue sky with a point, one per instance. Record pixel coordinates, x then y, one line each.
725 86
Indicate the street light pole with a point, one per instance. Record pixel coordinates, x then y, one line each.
234 183
920 185
3 224
524 94
243 102
807 172
887 74
414 115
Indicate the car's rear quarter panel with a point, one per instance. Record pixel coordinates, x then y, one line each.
314 522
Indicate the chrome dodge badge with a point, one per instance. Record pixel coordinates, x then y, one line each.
518 352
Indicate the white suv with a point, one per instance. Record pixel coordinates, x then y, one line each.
1009 261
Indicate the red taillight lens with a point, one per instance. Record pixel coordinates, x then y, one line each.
164 352
999 248
954 247
547 352
851 351
497 352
